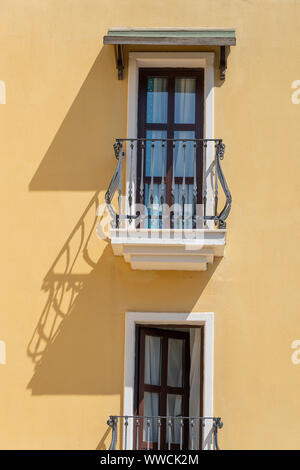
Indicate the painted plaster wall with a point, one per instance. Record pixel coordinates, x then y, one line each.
64 294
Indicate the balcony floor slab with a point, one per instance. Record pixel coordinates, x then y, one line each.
181 250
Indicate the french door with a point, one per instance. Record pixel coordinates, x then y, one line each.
162 387
171 109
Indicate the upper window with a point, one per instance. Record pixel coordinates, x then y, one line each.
170 117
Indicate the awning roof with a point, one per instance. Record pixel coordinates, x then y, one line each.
171 36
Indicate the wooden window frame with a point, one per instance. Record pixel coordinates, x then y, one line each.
171 126
160 330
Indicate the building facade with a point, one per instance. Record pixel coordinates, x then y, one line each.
150 209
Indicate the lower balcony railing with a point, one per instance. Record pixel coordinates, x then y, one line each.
164 432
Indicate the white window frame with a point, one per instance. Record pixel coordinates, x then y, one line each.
178 319
179 60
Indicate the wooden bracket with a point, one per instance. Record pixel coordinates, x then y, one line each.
223 62
119 55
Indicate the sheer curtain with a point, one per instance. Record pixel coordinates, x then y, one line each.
175 379
155 209
185 108
185 100
195 353
157 100
152 376
152 359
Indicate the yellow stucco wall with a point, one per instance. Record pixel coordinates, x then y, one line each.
64 294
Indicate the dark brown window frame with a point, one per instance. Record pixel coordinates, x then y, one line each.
170 126
139 375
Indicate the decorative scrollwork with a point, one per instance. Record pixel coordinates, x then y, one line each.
117 149
220 150
136 183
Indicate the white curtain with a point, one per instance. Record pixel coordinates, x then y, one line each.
152 377
175 356
152 360
151 408
189 172
157 100
174 408
175 379
185 99
195 353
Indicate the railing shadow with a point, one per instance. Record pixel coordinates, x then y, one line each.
59 284
73 346
73 335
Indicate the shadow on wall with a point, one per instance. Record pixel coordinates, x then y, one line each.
77 345
73 339
65 346
80 157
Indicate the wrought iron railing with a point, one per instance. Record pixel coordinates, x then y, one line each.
164 432
183 173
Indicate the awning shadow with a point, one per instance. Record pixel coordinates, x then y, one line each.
80 157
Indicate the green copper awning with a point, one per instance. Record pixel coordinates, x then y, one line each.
171 36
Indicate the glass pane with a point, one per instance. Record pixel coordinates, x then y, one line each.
151 408
185 100
174 408
175 362
152 360
159 154
157 100
189 154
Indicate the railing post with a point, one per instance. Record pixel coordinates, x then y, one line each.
204 189
222 216
194 221
120 184
137 422
142 172
130 186
125 432
148 433
158 433
216 181
217 425
114 184
170 433
113 423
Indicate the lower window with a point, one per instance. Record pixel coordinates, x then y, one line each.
168 387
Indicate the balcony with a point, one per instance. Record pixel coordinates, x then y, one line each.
164 202
164 433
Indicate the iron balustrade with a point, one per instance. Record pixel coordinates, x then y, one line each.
129 431
169 171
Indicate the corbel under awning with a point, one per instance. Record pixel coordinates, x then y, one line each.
119 37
